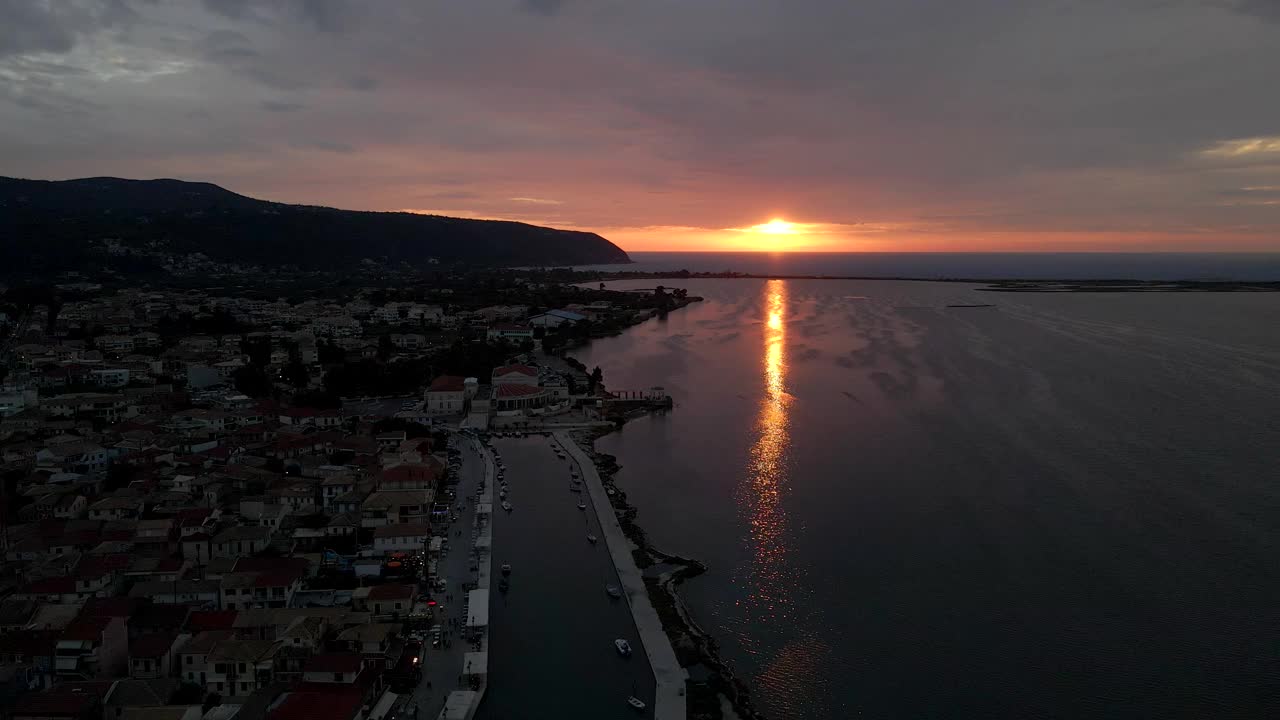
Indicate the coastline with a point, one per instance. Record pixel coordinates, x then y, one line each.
1064 285
719 694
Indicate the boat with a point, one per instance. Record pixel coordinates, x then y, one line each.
613 591
502 494
575 488
592 539
507 506
506 568
503 585
582 505
624 647
635 702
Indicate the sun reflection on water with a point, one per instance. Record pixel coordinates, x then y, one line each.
767 469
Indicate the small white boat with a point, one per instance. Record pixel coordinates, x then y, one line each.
592 539
507 506
575 488
582 506
502 494
506 568
624 647
635 702
613 591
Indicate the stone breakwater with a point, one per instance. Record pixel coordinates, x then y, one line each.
712 682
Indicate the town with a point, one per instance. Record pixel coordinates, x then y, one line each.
280 504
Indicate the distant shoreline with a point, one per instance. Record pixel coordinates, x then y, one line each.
991 285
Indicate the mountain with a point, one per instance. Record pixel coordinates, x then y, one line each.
71 224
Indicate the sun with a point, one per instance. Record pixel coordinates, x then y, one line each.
776 226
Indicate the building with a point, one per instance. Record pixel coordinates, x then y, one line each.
152 655
514 375
387 600
387 507
239 541
511 397
109 377
447 395
553 318
509 333
401 537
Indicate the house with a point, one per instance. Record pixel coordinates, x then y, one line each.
109 377
377 643
66 701
388 600
447 395
335 486
92 647
412 475
408 341
401 536
131 698
310 416
191 657
271 589
152 655
333 668
115 508
387 507
116 344
238 667
77 456
241 540
199 593
196 548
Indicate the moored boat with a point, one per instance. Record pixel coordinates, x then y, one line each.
624 647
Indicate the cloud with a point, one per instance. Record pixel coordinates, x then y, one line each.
543 7
1244 148
535 201
281 106
880 123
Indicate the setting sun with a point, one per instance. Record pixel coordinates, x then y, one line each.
775 226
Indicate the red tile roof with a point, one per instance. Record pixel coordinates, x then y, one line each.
49 586
73 699
448 383
333 663
111 607
201 620
391 592
338 702
517 390
152 645
509 369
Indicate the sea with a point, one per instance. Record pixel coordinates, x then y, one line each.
1055 506
1252 267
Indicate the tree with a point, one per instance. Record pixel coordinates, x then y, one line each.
385 347
251 380
295 373
594 380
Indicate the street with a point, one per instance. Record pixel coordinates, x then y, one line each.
443 665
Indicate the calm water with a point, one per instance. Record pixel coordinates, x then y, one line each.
1078 266
1064 506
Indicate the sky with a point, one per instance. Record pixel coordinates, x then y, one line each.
876 125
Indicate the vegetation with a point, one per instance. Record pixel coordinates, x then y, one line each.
51 225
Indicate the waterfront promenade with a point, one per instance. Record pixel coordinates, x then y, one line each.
669 694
